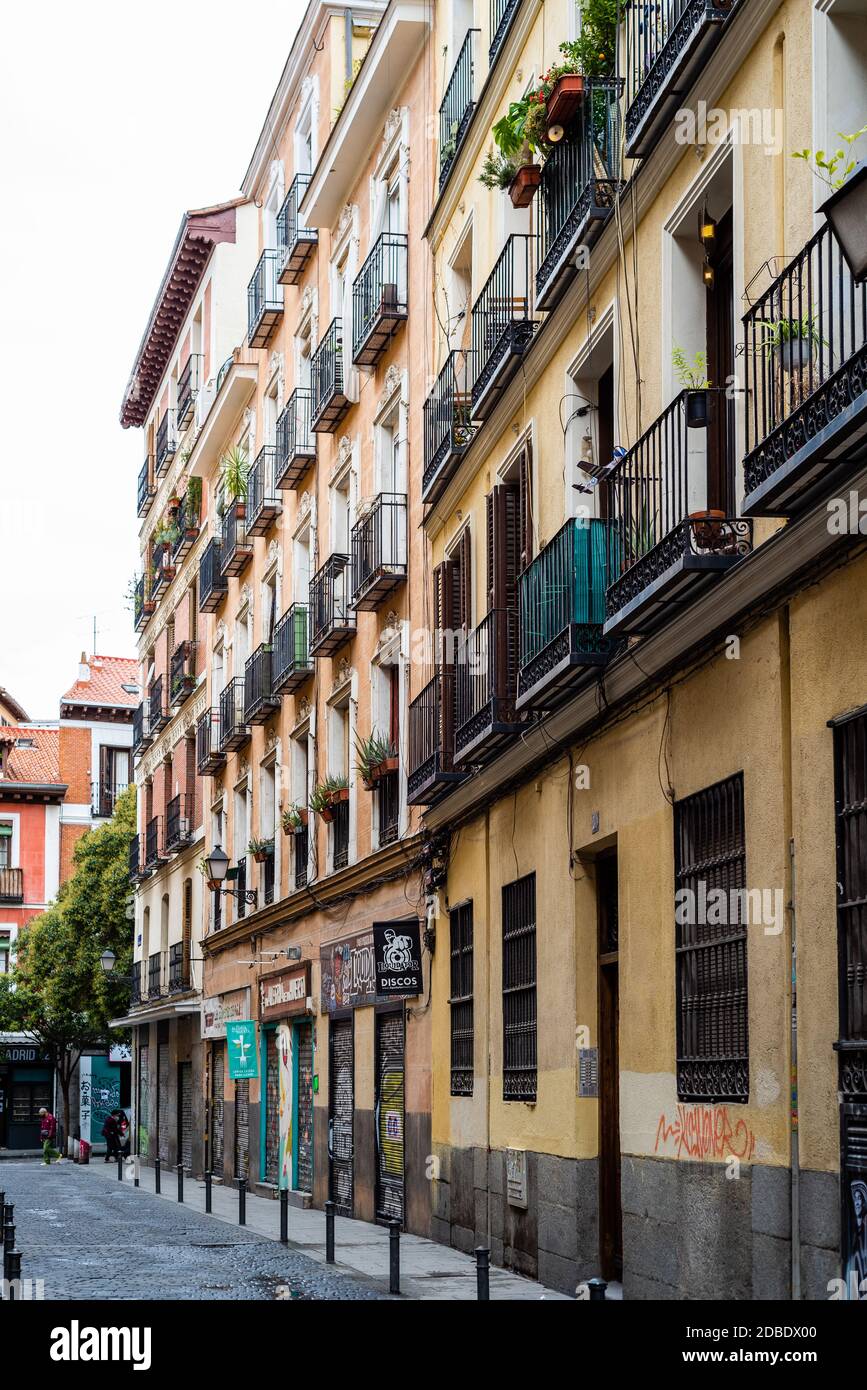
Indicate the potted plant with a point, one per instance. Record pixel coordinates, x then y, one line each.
327 795
234 470
845 210
212 883
377 756
260 849
693 378
294 819
517 135
173 506
497 171
449 146
793 342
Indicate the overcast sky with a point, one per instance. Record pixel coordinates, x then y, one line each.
115 119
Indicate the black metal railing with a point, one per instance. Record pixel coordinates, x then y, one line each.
456 107
154 850
135 858
179 968
143 604
340 835
264 300
432 737
294 240
448 425
188 389
296 442
300 854
166 442
268 877
135 988
263 500
379 550
327 401
208 755
379 297
805 342
241 886
259 699
179 821
103 797
158 714
234 729
388 807
502 12
235 548
155 974
486 680
187 527
290 663
140 727
213 584
11 885
182 675
502 317
146 490
332 618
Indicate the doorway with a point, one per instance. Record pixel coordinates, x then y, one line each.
341 1104
389 1115
610 1209
302 1178
215 1126
185 1115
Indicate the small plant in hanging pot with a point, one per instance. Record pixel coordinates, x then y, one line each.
294 819
212 883
497 171
260 849
173 506
793 342
327 795
377 756
693 379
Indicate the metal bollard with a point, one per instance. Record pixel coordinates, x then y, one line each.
8 1247
137 1164
597 1289
120 1167
14 1276
329 1233
208 1179
284 1216
156 1175
242 1201
180 1182
483 1274
394 1257
8 1213
2 1200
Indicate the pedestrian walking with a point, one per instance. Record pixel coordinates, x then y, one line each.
111 1135
47 1131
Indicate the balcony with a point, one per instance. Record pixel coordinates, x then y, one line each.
268 876
379 298
141 734
579 188
162 571
260 702
328 405
806 364
379 551
295 242
234 729
103 798
667 45
209 758
236 550
332 620
290 664
166 443
179 821
457 106
503 324
213 584
188 389
340 836
135 858
300 856
296 443
179 968
562 609
432 739
669 543
135 990
388 807
155 974
264 301
11 885
447 425
143 604
502 13
182 673
146 489
158 714
154 854
264 503
485 677
187 524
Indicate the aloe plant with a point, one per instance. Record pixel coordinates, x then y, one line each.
234 471
372 751
293 816
257 846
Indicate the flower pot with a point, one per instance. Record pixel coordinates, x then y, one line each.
522 189
342 794
191 533
565 99
260 856
698 409
710 531
795 354
213 884
383 769
240 510
327 814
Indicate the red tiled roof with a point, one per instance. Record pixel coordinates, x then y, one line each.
108 676
41 763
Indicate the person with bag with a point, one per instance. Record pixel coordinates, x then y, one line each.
47 1131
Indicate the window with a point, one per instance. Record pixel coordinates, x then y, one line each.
341 512
5 844
850 753
267 807
4 953
300 796
338 766
711 944
519 989
461 1000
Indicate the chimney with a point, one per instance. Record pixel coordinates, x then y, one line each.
83 668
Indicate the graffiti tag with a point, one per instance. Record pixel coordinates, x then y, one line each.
705 1131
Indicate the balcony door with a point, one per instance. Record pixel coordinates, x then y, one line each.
722 437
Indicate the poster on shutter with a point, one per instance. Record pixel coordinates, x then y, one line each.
284 1053
397 958
241 1040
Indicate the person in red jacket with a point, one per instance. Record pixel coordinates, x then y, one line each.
47 1131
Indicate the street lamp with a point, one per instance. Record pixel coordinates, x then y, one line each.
107 960
846 214
217 868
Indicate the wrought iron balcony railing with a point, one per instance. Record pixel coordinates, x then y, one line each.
300 855
213 584
561 597
166 442
154 848
432 739
236 550
135 989
141 734
179 821
379 298
155 974
264 301
209 758
503 323
456 107
667 43
11 885
135 858
340 836
179 968
486 681
502 13
267 871
187 525
668 541
162 569
806 363
158 713
260 702
143 602
234 729
332 619
388 807
146 488
379 550
295 242
296 442
264 502
188 389
447 425
579 187
328 404
182 673
103 798
291 664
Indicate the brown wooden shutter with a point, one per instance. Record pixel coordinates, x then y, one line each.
503 507
105 787
187 938
525 485
463 590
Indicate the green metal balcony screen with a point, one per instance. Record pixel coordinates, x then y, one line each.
566 584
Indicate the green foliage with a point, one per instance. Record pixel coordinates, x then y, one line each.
691 374
194 498
322 796
372 751
833 169
257 846
234 468
594 52
292 818
780 331
497 171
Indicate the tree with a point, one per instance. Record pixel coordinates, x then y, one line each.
57 990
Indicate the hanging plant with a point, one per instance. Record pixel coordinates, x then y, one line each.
260 849
294 819
376 757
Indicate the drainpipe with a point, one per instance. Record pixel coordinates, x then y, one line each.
793 1123
347 43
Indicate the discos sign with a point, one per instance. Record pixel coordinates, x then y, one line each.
397 958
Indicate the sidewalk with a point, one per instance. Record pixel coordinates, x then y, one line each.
427 1270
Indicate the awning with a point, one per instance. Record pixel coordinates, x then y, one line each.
159 1011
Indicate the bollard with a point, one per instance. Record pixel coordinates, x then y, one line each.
2 1200
180 1182
156 1175
14 1275
136 1162
208 1191
394 1257
7 1214
242 1201
284 1216
8 1247
483 1274
120 1167
597 1289
329 1233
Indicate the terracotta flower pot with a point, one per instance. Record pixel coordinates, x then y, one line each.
240 510
565 99
260 856
213 884
710 531
384 768
327 814
522 189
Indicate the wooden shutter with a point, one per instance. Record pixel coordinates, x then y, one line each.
445 611
503 505
105 787
525 487
187 938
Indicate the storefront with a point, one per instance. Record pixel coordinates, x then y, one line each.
26 1085
228 1103
287 1053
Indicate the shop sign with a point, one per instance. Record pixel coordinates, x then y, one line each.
241 1047
397 956
222 1009
348 974
284 993
22 1052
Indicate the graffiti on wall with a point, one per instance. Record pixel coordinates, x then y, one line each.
704 1131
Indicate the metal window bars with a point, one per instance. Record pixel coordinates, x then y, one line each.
502 322
519 989
379 298
290 663
264 502
296 442
379 550
213 584
448 427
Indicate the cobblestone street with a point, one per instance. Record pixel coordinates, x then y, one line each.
94 1240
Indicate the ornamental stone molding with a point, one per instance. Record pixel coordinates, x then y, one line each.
343 674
